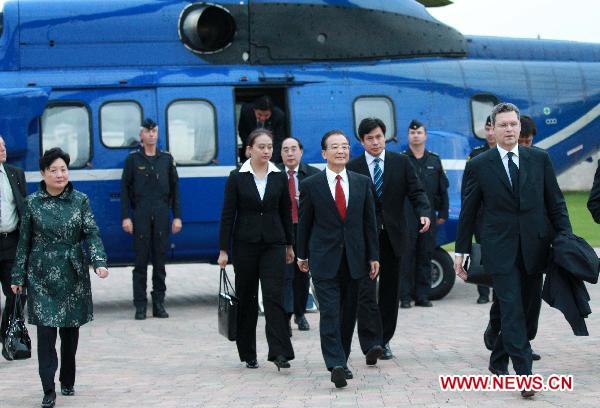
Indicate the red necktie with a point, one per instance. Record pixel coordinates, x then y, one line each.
340 198
292 189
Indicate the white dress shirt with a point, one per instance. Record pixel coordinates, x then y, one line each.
9 217
332 181
371 163
261 183
504 157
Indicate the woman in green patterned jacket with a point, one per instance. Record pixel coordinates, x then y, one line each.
51 263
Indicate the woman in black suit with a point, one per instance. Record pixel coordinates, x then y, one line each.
257 219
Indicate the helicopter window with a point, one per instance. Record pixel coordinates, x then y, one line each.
380 107
120 123
68 126
192 131
481 107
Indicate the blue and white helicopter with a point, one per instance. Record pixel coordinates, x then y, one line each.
82 74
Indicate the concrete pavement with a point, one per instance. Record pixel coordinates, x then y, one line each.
183 362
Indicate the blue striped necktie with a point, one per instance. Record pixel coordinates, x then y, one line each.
378 176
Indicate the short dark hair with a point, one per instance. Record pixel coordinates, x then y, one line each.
263 103
504 107
293 138
367 125
256 133
52 155
528 127
331 133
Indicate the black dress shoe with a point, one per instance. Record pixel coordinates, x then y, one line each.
527 393
424 303
482 300
405 304
281 362
252 364
498 371
67 391
373 354
158 310
49 400
348 373
387 353
140 313
489 337
535 356
302 323
338 377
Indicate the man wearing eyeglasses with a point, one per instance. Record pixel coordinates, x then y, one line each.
337 242
522 209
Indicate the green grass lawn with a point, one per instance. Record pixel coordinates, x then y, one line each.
581 220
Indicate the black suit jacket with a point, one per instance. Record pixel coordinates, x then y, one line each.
323 236
276 124
593 203
531 220
16 179
399 182
247 218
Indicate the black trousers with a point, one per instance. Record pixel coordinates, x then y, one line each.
151 238
343 301
8 247
48 360
532 312
389 286
483 290
518 295
265 262
300 286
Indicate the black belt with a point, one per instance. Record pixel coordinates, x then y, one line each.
7 234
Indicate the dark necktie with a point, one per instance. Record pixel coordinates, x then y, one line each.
340 198
378 177
514 173
292 189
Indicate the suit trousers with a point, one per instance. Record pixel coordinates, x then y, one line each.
518 293
300 284
48 360
151 238
533 306
265 262
389 286
337 303
8 247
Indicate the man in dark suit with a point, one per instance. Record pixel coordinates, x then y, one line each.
490 138
296 171
392 179
593 203
337 238
13 190
262 113
522 208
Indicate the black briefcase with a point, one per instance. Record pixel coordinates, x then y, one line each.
17 343
228 308
476 274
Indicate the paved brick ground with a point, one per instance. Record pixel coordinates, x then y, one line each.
183 362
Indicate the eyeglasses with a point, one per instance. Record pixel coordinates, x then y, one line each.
505 125
344 147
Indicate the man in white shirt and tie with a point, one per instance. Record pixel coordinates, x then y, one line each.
523 208
13 190
337 242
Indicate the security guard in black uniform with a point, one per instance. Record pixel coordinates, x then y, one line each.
150 186
484 291
430 171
